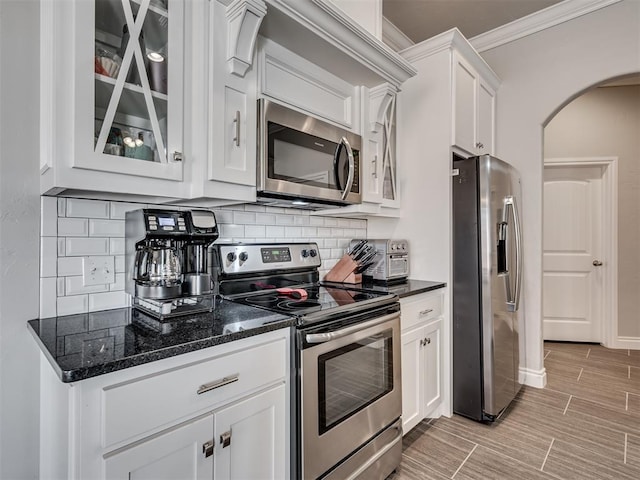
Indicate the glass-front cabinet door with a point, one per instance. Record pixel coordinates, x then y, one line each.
133 106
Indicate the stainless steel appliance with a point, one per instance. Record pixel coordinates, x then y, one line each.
391 262
305 162
346 386
166 260
487 286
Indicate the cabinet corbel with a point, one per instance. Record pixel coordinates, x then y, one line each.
244 18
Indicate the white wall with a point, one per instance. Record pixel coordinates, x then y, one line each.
605 122
540 74
19 237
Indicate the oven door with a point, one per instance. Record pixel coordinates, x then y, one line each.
351 389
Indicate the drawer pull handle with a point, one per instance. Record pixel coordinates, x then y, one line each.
218 383
207 448
425 312
225 439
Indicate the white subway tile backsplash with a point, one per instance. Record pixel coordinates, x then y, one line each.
116 246
76 228
106 228
310 232
223 216
265 219
232 231
119 209
78 246
257 231
49 217
119 264
68 266
78 207
73 304
244 218
48 256
73 227
119 283
284 219
48 297
301 220
108 300
293 232
75 286
274 231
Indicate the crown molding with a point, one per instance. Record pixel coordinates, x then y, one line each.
448 41
394 37
536 22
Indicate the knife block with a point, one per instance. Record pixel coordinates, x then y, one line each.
344 271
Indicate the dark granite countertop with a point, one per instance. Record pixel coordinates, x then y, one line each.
91 344
406 289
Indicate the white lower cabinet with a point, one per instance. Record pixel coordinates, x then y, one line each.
250 438
217 413
173 454
421 358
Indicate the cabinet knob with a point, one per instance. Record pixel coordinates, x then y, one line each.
597 263
225 439
479 145
207 448
427 341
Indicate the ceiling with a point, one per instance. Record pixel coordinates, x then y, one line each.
422 19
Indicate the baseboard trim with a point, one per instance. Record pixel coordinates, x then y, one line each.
630 343
533 378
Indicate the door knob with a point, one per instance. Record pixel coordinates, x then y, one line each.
597 263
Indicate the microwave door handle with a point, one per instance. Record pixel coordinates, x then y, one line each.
352 166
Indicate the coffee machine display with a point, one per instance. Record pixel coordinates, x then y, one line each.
166 261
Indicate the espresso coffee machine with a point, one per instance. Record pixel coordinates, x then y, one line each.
166 262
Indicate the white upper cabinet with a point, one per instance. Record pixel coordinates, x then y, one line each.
380 184
473 108
112 97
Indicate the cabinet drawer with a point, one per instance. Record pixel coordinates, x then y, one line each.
143 405
419 309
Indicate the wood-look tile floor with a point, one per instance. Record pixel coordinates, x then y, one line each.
584 425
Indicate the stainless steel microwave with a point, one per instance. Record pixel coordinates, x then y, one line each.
305 162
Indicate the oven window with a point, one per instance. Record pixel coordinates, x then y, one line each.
352 377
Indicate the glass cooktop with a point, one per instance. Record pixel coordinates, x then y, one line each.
305 300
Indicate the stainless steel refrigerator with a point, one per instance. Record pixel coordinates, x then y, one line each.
487 286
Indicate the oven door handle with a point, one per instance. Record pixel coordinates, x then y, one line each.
343 332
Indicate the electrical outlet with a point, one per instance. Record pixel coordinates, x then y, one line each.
98 270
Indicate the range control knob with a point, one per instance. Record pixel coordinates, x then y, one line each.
305 253
243 256
313 253
231 256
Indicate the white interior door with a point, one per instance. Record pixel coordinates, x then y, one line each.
572 249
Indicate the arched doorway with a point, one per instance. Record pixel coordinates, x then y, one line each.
594 134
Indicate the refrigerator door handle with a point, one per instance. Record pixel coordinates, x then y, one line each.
514 304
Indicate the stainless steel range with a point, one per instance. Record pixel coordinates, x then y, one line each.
346 387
